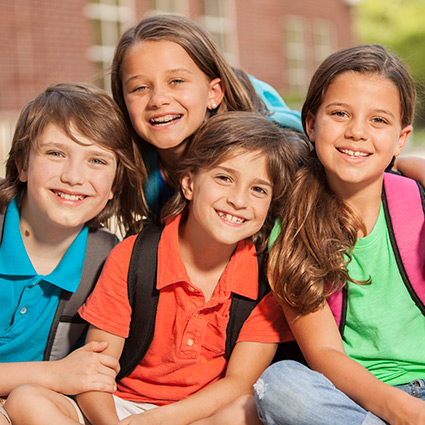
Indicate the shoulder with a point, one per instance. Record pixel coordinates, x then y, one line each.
103 236
123 249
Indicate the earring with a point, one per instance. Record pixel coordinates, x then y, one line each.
213 106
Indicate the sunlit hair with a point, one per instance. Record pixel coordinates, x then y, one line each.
309 258
80 109
198 44
230 134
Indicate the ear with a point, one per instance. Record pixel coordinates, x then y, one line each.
310 123
216 93
402 140
23 173
186 183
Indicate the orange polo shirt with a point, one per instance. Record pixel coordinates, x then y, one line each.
188 349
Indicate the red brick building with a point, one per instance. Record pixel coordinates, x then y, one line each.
46 41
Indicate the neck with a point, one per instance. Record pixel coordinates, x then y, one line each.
365 200
204 260
44 244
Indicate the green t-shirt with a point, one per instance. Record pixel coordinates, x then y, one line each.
385 330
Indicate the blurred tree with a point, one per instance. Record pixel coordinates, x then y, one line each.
400 26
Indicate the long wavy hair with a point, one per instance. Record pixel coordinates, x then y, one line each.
309 258
232 133
198 44
87 110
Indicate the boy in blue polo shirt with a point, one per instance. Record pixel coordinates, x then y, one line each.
71 167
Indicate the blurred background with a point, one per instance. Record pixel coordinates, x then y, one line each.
43 42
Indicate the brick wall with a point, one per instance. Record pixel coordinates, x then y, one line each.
261 36
43 42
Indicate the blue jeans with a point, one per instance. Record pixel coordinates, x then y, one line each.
289 393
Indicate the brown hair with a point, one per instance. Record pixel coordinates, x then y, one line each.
198 44
90 111
226 135
309 258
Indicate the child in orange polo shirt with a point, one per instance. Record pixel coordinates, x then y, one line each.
233 179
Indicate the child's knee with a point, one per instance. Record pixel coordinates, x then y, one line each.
23 392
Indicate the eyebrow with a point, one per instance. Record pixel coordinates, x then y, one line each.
170 71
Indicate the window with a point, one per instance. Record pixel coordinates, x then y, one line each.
108 18
169 6
324 35
295 46
218 18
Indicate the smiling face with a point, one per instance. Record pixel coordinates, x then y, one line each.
68 184
167 96
357 129
229 202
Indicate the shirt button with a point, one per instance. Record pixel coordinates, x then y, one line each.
190 342
191 288
23 310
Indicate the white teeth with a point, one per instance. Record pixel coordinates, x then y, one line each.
70 197
354 153
230 218
164 120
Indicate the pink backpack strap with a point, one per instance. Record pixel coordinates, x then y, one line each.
338 305
403 202
404 205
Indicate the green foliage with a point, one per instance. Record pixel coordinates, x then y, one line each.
398 25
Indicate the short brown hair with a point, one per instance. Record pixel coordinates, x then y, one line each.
91 112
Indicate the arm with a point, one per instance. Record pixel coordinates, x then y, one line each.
319 339
247 362
85 369
97 406
413 167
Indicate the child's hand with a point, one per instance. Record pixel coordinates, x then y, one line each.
86 369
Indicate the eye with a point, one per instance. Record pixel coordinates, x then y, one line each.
380 120
138 89
98 161
260 190
222 178
55 154
177 81
339 114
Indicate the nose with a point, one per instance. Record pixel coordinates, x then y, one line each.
159 97
73 172
238 197
356 130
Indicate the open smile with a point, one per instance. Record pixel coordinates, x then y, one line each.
354 154
231 218
68 196
165 120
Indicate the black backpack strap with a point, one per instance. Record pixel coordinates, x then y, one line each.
67 327
143 297
241 308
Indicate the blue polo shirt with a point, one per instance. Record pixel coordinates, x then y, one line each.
28 301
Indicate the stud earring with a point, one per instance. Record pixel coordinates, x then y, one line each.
213 106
